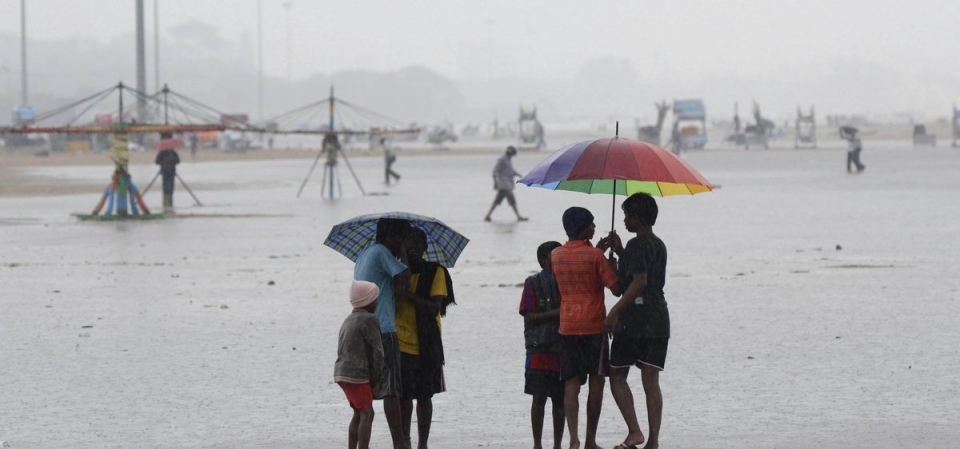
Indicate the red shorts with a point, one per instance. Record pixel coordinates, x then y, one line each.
360 396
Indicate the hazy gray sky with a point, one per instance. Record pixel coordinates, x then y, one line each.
680 40
845 56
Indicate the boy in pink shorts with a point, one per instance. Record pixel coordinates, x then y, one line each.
359 365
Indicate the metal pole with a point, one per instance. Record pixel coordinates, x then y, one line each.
151 183
166 91
188 189
330 169
23 52
260 61
312 167
331 108
355 178
156 45
339 183
141 62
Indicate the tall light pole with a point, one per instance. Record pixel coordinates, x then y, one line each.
287 6
141 61
156 45
260 60
23 52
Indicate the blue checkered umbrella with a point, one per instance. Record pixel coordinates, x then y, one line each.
351 237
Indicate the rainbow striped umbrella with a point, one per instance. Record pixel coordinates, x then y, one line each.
617 166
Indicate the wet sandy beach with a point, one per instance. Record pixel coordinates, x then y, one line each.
810 308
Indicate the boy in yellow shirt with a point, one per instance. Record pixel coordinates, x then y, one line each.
418 330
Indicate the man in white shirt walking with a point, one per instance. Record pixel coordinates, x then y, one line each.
503 182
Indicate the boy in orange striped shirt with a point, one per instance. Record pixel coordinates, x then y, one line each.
582 273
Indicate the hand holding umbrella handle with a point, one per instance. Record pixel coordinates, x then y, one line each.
611 242
612 261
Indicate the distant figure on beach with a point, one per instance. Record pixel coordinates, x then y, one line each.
389 157
194 140
540 307
854 147
676 139
582 273
168 160
503 183
418 330
359 364
382 263
639 323
331 146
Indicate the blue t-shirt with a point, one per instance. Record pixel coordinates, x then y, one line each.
376 264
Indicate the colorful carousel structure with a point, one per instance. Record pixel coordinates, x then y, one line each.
343 122
164 113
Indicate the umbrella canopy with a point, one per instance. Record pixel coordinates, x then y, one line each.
351 237
629 166
168 144
618 166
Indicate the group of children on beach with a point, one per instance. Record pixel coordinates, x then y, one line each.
567 330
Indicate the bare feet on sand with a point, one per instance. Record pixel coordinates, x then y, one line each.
633 440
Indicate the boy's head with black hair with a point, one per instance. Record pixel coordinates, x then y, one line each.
641 206
391 232
416 244
543 253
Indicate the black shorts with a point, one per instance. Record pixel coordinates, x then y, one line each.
414 381
390 383
582 355
508 194
631 351
543 383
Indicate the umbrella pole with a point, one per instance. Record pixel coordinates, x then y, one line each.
613 210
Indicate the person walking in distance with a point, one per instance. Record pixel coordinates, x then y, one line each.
854 147
389 157
503 183
167 160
